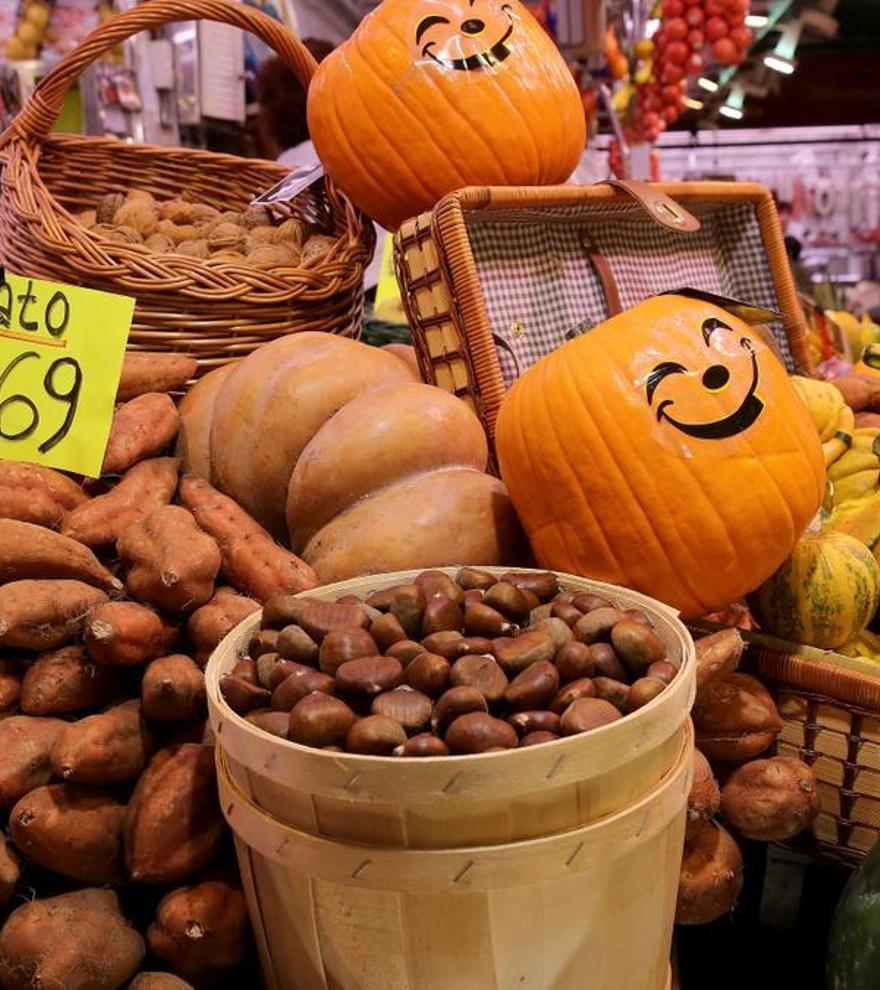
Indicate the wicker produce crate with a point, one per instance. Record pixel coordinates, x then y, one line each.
215 309
496 278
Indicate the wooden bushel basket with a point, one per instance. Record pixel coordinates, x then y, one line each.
215 309
553 866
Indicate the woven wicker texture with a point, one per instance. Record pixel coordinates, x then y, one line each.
494 279
216 309
831 721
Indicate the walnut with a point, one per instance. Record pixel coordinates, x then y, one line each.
143 196
261 236
88 218
292 230
226 235
256 216
316 246
108 206
228 216
159 244
179 233
180 213
194 249
139 215
273 256
203 213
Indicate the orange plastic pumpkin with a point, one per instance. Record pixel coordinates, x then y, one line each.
666 451
428 96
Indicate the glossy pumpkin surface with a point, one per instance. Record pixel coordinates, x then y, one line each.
665 451
824 594
428 96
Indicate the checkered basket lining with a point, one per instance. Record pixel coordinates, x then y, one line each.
541 289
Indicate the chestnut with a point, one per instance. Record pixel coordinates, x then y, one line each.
320 720
297 685
596 626
428 673
341 645
275 723
246 670
408 607
614 691
664 670
509 601
472 597
534 688
441 614
242 695
567 612
514 655
424 744
643 691
265 641
405 705
294 643
607 662
479 732
556 629
386 631
472 579
457 701
586 714
537 721
536 738
573 661
637 615
375 735
481 672
281 670
481 619
586 601
542 584
445 643
369 676
405 650
637 645
317 618
437 584
582 688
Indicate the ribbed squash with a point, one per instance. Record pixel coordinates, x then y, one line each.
823 595
856 473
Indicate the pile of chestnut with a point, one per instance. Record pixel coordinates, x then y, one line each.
445 667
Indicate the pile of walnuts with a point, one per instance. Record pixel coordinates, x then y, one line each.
197 230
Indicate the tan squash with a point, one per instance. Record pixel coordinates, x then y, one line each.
335 448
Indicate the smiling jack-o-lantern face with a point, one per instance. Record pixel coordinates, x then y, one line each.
666 451
472 40
428 96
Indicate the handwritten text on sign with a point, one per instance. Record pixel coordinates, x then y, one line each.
61 352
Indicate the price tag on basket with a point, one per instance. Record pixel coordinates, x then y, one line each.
61 352
290 186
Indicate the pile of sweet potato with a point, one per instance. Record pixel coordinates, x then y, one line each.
112 597
765 799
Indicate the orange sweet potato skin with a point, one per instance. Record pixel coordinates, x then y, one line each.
143 372
200 930
208 625
76 941
44 614
251 560
173 689
144 488
10 872
109 748
141 428
63 492
173 826
73 830
65 681
126 634
171 562
11 674
31 505
29 551
26 745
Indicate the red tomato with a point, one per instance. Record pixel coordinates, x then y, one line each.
677 52
671 94
676 29
737 6
653 103
670 114
672 73
716 28
695 17
673 8
735 20
713 8
741 37
661 40
695 41
693 3
726 52
695 64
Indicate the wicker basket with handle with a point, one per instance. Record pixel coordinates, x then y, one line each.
215 309
495 278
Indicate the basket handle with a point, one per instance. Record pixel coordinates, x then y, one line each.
659 206
42 109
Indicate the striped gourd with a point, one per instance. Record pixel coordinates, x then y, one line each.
825 593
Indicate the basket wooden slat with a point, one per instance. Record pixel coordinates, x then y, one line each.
215 309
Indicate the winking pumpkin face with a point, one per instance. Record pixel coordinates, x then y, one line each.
466 37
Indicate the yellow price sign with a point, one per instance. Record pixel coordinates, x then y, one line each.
388 305
61 353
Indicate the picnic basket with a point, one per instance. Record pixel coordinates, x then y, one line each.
217 310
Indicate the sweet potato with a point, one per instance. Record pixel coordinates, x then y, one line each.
158 981
704 798
125 634
66 681
867 421
171 562
860 392
196 411
77 941
173 825
41 615
144 488
62 491
143 372
252 561
28 551
31 505
72 830
736 720
26 762
209 624
141 428
10 685
717 656
771 800
711 876
200 930
173 689
10 871
109 748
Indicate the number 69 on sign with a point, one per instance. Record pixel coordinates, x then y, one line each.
61 353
